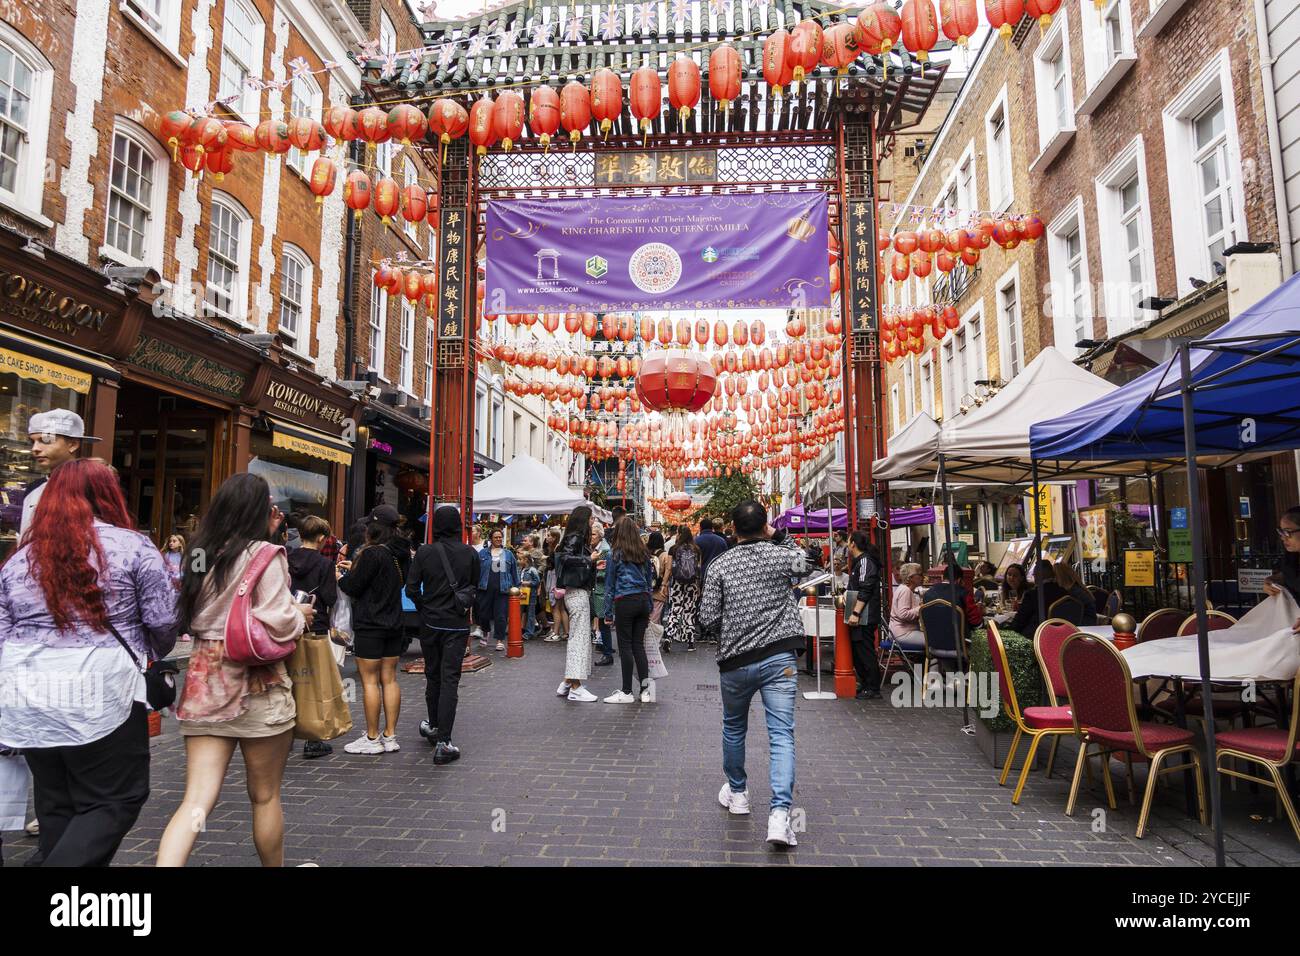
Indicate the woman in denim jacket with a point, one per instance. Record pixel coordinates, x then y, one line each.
629 578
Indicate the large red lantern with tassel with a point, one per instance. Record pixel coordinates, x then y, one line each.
508 118
645 98
805 50
1003 15
879 28
575 110
544 114
242 137
778 61
307 134
405 124
323 175
387 198
683 86
414 205
1042 10
448 120
172 129
372 125
341 122
920 27
840 47
219 162
724 75
606 98
481 132
273 136
960 19
356 191
208 134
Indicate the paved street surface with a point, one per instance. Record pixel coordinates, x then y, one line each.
546 782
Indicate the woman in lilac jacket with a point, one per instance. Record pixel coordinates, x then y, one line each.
74 697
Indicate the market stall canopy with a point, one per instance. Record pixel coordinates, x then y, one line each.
915 443
525 487
810 522
1242 400
990 444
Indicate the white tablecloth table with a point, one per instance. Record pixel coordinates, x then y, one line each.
819 620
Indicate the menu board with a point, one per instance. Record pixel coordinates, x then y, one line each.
1094 532
1017 550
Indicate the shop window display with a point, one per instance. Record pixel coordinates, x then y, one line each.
298 482
20 399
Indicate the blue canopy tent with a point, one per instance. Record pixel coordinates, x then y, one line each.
1224 396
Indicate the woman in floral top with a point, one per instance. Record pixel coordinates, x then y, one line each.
225 704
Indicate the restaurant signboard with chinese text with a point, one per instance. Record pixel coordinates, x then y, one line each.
861 232
656 167
451 275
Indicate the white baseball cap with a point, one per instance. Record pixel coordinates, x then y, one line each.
59 421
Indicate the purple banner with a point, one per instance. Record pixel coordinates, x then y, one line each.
657 252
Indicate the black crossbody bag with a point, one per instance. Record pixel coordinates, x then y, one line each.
464 596
159 676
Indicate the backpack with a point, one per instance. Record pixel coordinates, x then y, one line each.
686 566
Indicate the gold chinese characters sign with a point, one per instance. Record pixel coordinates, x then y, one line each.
860 220
656 167
451 284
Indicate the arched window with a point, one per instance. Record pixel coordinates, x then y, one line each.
295 297
242 32
304 100
229 240
137 198
26 81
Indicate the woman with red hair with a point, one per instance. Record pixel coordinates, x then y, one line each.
82 584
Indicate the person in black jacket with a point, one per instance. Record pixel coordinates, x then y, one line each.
575 572
864 617
444 624
1027 618
311 571
374 581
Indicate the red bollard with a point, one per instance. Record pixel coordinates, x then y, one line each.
515 641
846 683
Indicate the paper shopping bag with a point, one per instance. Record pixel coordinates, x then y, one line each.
14 783
318 691
654 633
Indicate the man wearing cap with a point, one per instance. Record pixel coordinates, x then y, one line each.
56 437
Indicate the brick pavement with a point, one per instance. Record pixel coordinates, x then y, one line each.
594 784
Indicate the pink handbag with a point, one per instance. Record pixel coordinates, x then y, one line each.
246 639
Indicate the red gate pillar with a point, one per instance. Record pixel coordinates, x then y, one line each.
846 680
515 627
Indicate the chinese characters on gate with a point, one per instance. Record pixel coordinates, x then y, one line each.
659 167
452 280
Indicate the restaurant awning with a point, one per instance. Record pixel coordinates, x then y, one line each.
49 364
309 441
914 443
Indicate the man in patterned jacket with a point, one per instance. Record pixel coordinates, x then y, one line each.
749 592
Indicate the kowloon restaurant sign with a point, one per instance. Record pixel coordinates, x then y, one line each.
26 298
302 405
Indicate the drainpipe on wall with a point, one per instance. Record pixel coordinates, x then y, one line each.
1274 141
354 498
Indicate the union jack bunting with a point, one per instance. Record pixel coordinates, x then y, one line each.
573 29
646 19
541 34
508 41
446 53
681 11
299 66
609 29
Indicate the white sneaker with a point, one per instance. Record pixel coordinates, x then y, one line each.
648 691
581 695
563 689
779 831
477 632
618 697
500 646
736 803
364 745
389 744
482 642
552 639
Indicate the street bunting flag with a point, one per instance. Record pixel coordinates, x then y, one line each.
657 252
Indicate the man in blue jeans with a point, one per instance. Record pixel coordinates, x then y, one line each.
748 592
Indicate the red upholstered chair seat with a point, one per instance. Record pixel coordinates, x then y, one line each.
1154 737
1266 742
1044 718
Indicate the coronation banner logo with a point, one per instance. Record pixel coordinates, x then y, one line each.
658 252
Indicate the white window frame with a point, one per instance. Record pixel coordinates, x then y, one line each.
378 325
411 177
956 194
909 388
1000 178
1065 318
1119 295
243 253
1191 244
895 408
1102 72
156 203
1056 125
406 349
300 335
162 26
306 91
498 439
27 196
249 104
926 366
977 358
387 44
428 363
481 422
1010 346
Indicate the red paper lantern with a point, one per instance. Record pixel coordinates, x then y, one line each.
207 134
950 317
411 280
645 98
778 61
1003 15
900 268
307 134
683 86
241 136
448 120
921 265
341 122
960 20
322 179
606 98
219 162
944 261
905 243
879 28
1042 11
273 136
414 205
724 75
386 198
575 110
406 124
356 191
805 50
544 114
970 256
920 27
172 129
1032 228
481 132
372 125
508 118
675 380
840 47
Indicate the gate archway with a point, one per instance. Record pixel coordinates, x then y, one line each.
824 136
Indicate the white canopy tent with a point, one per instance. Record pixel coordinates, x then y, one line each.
525 487
915 443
